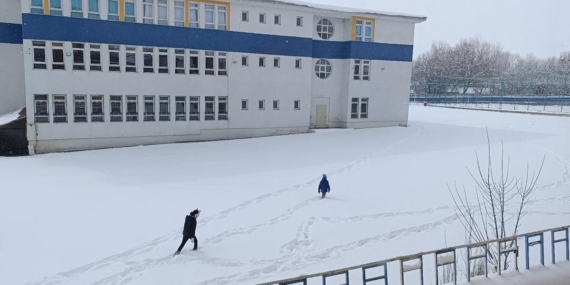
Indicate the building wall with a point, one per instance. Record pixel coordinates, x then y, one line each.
12 95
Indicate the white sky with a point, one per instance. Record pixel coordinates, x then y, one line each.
541 27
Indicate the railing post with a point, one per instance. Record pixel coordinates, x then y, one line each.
555 241
365 279
529 244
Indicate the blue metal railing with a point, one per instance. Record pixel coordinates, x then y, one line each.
446 257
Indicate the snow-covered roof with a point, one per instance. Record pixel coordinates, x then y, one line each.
10 117
343 9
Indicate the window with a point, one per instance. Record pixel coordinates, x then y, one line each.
78 56
93 12
148 108
39 55
277 20
164 108
325 29
113 11
222 108
364 30
79 109
299 21
148 60
222 63
180 114
276 62
222 17
354 108
298 63
162 60
114 60
97 114
95 54
131 59
262 18
275 104
210 63
148 11
361 69
210 109
194 108
77 8
180 57
41 113
179 14
116 108
163 12
194 62
244 104
262 62
297 105
132 108
323 69
244 60
57 54
59 109
209 19
37 7
364 108
245 16
55 9
194 15
261 105
130 11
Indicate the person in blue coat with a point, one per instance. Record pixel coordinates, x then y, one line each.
324 186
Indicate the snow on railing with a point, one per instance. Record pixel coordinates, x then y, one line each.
444 257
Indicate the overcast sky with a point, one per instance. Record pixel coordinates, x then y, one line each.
541 27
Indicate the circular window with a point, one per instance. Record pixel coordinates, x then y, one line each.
323 68
325 29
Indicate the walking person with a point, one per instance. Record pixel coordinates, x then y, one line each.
189 230
324 186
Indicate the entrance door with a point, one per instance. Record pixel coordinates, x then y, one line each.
322 116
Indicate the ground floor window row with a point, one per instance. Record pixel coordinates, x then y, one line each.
359 108
275 106
127 108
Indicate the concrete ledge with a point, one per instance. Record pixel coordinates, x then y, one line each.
502 111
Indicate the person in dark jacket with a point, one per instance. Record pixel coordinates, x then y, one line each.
189 230
324 186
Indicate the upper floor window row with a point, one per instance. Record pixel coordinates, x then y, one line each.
181 13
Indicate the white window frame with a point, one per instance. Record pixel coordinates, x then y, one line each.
132 116
148 4
209 8
277 19
362 69
179 5
276 105
77 13
164 5
298 63
94 14
326 28
210 116
57 99
262 18
244 107
95 117
114 49
179 57
354 102
163 116
222 13
56 11
130 18
40 115
297 105
261 105
180 101
299 21
148 68
246 14
363 24
223 111
194 115
244 60
117 116
39 46
80 48
57 65
194 7
364 102
276 62
321 68
207 56
222 60
112 16
149 116
130 51
163 53
93 48
194 54
262 62
37 9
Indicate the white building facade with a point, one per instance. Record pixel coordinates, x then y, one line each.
113 73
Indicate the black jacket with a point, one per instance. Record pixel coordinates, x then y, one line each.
324 186
189 226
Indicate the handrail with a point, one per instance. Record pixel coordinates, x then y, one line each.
414 256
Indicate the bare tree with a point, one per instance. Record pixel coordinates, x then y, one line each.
497 206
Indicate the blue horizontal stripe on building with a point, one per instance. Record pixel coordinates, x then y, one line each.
53 28
10 33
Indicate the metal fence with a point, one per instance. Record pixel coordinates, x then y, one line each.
446 257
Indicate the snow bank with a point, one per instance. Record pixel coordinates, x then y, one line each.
10 117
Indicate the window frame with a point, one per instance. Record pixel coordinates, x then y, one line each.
39 46
246 14
59 117
164 116
162 4
179 57
364 102
244 107
41 113
327 29
222 60
359 25
79 118
194 7
150 5
298 63
261 105
178 7
276 105
299 21
194 113
163 53
277 19
262 18
244 60
78 66
355 102
132 116
113 16
210 116
114 50
96 15
222 108
194 55
77 13
180 116
130 18
95 49
97 117
116 117
59 65
56 11
132 51
319 65
149 116
148 51
297 105
210 55
39 10
262 61
277 62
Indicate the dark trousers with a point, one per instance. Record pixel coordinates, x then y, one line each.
324 194
185 239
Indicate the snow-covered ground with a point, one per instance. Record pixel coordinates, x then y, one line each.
115 216
549 109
